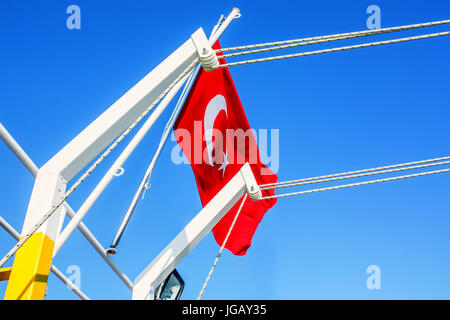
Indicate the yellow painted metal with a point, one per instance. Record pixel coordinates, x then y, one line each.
4 273
30 269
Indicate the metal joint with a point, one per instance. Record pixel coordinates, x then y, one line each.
253 189
205 52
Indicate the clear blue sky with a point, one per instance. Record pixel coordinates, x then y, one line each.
336 112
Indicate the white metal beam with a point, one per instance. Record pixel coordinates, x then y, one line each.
153 275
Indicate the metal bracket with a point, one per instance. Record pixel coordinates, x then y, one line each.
119 171
206 54
253 189
5 273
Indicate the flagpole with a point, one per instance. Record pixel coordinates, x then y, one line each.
218 29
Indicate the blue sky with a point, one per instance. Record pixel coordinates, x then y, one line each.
335 112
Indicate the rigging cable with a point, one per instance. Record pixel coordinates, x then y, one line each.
351 35
341 177
221 248
332 177
310 53
356 184
339 35
358 171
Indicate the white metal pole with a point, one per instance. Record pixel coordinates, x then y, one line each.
33 169
167 129
17 150
68 283
100 250
137 195
234 14
8 228
131 146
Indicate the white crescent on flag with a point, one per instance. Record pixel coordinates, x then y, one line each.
215 105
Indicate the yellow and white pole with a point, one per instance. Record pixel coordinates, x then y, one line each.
29 272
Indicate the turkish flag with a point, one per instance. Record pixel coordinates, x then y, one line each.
216 138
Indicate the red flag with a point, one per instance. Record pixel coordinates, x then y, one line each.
216 138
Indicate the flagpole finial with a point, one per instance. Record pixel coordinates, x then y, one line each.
237 13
